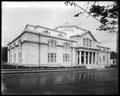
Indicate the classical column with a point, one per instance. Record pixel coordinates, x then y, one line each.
95 57
91 57
76 58
20 54
99 57
76 61
79 57
88 57
84 57
8 55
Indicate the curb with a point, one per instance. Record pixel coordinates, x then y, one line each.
41 71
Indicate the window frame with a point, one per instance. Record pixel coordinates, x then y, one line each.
52 43
87 42
66 45
51 57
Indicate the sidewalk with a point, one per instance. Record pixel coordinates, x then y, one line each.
17 71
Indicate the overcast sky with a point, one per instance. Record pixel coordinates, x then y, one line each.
15 16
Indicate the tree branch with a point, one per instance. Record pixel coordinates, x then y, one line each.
85 10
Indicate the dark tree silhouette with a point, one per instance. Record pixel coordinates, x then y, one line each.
4 54
113 55
108 14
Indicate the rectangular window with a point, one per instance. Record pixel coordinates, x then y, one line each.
63 57
51 57
87 42
83 42
55 58
90 44
20 58
48 57
66 57
14 58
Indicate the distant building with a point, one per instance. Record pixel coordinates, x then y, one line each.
113 58
66 46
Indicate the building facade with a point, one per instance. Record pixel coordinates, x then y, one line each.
64 46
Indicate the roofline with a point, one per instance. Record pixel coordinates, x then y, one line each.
33 26
93 36
16 38
45 28
78 35
84 34
79 28
103 47
26 31
71 26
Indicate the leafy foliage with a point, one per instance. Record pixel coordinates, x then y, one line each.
4 54
108 14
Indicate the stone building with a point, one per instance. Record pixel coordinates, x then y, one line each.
63 46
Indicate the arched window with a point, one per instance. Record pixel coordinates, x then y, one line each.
66 45
52 43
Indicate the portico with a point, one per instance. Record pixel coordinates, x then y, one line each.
86 57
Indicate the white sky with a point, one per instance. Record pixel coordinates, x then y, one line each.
15 16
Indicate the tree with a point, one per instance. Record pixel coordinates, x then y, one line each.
108 14
113 55
4 54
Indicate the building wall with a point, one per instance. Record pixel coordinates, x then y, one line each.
94 43
30 37
80 40
30 55
59 50
43 55
35 52
32 51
